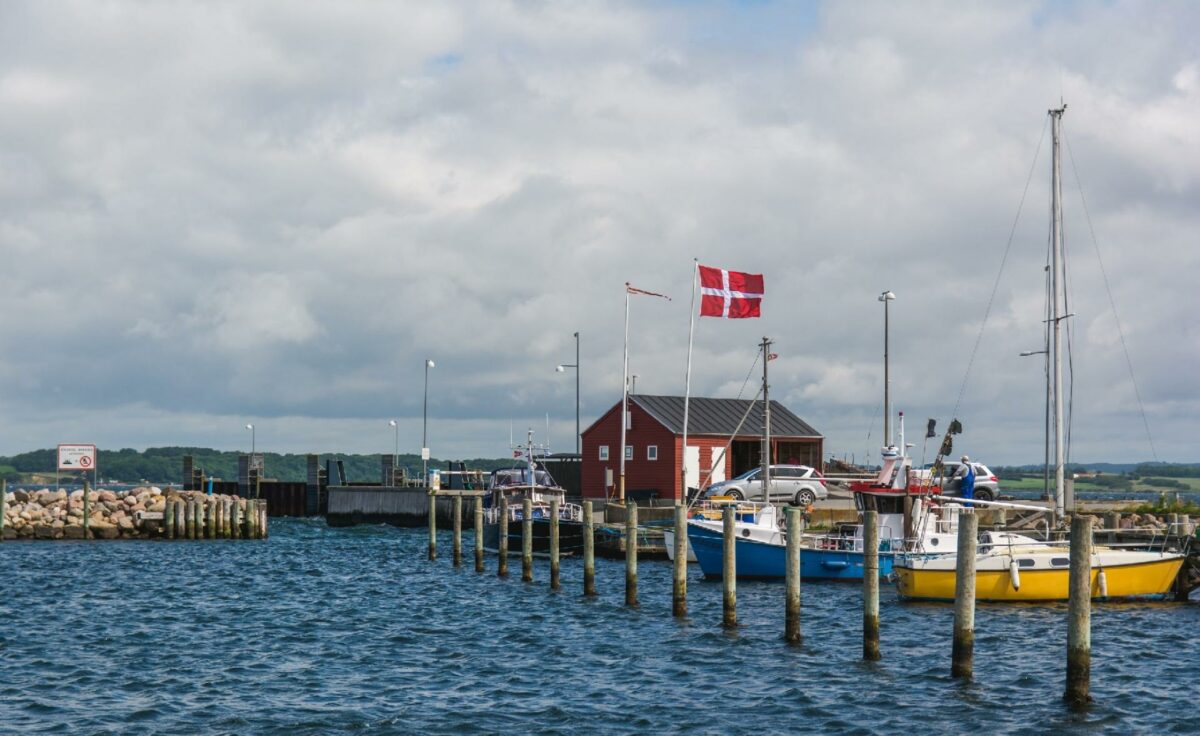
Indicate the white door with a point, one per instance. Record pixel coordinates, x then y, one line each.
718 471
691 465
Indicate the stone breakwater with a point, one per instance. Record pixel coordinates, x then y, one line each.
134 514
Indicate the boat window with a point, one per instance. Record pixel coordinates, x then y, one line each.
1060 561
933 542
1025 562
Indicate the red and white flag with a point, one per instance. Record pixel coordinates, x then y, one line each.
730 294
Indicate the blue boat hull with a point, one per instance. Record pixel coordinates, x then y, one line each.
757 560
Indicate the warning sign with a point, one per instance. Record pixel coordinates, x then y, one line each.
76 457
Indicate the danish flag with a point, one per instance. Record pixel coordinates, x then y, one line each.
729 294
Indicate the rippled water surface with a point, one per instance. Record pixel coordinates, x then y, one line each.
322 630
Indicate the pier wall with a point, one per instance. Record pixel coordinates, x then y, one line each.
405 507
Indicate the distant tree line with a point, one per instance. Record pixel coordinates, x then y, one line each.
165 464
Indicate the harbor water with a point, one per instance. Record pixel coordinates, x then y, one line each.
320 630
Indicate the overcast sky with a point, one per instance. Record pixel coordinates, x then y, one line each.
273 212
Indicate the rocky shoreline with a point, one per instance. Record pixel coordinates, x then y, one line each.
133 514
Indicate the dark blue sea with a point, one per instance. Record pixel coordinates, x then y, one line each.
352 631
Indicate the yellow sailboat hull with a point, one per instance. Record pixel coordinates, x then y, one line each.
1139 580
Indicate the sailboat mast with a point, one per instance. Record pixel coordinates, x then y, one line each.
1056 289
766 454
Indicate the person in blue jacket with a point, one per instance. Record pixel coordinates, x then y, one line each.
967 489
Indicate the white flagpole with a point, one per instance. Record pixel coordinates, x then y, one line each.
624 399
687 385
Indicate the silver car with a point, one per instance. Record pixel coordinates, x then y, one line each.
796 484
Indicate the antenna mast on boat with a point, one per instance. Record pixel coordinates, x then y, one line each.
766 454
1057 316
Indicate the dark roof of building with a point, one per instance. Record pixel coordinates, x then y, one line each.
721 416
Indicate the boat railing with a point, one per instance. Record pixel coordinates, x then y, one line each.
540 510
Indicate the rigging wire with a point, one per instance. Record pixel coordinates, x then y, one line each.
748 374
1111 301
1003 260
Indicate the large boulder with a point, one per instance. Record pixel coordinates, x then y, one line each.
107 496
43 531
104 530
21 495
73 531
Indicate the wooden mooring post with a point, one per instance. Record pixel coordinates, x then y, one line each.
478 534
227 518
527 541
190 515
502 543
86 510
962 653
871 585
1112 520
251 519
457 526
1079 614
168 520
432 526
236 522
631 553
554 543
679 581
728 570
791 617
589 551
265 526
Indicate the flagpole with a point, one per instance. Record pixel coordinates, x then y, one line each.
624 399
687 387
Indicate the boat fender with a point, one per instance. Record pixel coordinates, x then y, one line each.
1102 583
1014 575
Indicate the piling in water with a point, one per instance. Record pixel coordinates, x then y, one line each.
190 512
728 570
1079 613
631 550
168 520
265 525
962 656
236 522
180 520
791 626
227 518
679 583
554 544
3 505
1113 521
478 534
252 519
527 540
502 549
589 551
432 526
457 526
87 513
870 585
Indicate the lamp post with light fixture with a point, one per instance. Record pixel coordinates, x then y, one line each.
562 368
886 297
425 425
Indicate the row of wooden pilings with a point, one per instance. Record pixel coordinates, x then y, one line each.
962 651
216 518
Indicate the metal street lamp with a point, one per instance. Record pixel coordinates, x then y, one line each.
396 447
425 425
252 446
562 368
886 297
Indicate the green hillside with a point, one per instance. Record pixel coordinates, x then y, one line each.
165 464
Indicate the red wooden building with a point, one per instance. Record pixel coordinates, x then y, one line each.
654 438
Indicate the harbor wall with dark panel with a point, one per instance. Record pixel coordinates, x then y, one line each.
404 507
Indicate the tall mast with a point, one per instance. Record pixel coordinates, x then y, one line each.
766 454
624 398
1058 297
